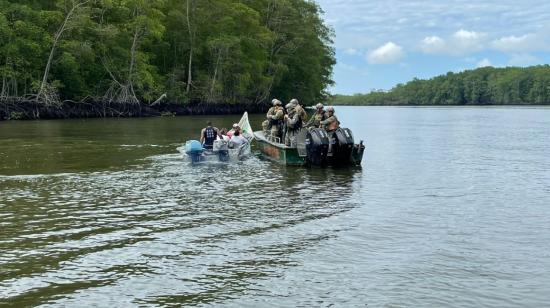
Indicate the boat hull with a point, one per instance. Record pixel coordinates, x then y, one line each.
280 153
232 155
285 155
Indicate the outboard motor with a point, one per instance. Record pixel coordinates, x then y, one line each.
221 149
193 149
342 146
317 146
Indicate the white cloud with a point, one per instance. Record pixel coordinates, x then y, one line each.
386 54
511 43
371 22
467 41
402 20
352 51
523 59
432 44
464 35
457 29
462 42
538 41
484 63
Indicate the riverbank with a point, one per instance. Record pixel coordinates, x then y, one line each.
32 110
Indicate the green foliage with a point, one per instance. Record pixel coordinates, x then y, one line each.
219 51
483 86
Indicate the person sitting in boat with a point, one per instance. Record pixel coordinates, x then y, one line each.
266 125
223 134
237 140
293 123
208 135
331 123
318 117
276 122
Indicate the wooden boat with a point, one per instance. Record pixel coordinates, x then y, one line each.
313 147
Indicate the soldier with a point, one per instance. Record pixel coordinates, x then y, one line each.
319 116
293 123
276 121
299 109
266 124
331 123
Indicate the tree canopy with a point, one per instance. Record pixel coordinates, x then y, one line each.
482 86
129 51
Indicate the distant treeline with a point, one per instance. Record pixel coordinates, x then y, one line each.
482 86
134 51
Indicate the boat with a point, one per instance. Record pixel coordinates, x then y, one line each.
223 151
313 147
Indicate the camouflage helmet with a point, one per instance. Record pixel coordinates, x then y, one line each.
290 105
294 101
319 106
274 102
330 109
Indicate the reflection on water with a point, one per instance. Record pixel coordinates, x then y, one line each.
162 232
449 209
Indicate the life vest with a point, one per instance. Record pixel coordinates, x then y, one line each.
209 136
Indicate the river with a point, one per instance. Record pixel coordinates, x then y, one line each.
449 209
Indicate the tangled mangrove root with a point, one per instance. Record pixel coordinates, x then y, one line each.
48 96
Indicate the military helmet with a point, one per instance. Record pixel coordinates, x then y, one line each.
278 103
274 102
294 101
330 109
319 106
290 105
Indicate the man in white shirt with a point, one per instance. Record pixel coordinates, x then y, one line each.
237 139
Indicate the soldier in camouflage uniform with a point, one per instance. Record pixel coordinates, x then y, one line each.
299 109
266 127
318 117
331 123
276 121
293 123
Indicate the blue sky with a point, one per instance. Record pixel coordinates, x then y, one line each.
380 43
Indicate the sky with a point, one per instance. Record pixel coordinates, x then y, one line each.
380 43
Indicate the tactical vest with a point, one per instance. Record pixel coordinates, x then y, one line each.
302 112
298 124
276 122
319 117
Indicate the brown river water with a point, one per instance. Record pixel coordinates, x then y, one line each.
449 209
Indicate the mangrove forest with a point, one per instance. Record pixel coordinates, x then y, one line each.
482 86
124 55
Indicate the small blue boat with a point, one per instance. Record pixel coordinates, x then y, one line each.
222 150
